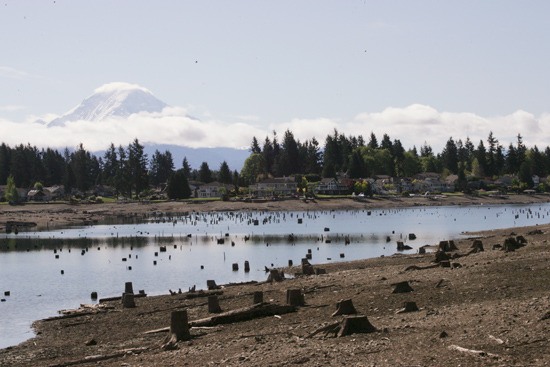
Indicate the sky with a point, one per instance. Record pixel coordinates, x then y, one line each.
420 71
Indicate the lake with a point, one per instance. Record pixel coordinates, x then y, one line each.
48 271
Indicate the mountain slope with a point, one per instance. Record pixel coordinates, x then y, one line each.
112 100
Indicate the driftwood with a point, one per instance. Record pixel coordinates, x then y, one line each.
243 314
119 298
201 293
480 353
101 357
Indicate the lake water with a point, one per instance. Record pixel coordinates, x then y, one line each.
91 258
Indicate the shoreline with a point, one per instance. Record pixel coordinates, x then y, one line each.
489 293
55 215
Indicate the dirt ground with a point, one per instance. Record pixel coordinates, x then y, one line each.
490 308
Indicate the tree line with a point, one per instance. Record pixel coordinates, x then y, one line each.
131 172
128 170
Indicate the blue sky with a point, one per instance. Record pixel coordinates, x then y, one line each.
418 70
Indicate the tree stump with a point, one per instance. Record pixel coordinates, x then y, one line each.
452 246
344 307
402 287
320 271
421 250
510 244
477 246
211 285
305 261
408 307
128 288
275 276
308 269
441 256
354 325
214 304
294 297
246 267
258 297
179 329
128 300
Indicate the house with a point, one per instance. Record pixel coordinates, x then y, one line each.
331 186
278 186
55 192
212 190
429 181
38 195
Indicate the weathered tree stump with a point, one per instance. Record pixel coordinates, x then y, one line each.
445 264
235 266
211 284
294 297
354 325
214 304
128 300
258 297
308 269
179 329
128 288
320 271
408 307
412 236
275 276
510 244
305 261
402 287
246 267
421 250
477 246
344 307
93 296
441 256
521 240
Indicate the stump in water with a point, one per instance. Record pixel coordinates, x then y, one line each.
179 329
408 307
294 297
354 325
128 300
412 236
246 267
477 246
421 250
275 276
258 297
128 288
402 287
214 304
211 284
344 307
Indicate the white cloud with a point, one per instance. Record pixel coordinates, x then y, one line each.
413 125
8 72
11 108
118 86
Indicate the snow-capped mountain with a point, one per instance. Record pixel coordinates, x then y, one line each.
112 100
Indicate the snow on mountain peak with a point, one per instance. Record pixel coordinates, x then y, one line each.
119 87
112 100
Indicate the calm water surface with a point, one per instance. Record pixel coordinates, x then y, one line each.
91 258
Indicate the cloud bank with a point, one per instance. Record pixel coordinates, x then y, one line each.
414 125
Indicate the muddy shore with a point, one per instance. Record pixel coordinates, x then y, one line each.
49 215
490 308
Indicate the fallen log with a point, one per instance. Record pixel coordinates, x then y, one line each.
101 357
243 314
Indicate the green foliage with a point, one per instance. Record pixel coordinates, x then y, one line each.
178 186
11 191
253 168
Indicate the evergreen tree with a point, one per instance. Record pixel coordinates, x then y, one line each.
481 156
254 146
205 175
450 156
186 168
224 175
5 159
269 156
356 166
110 166
137 167
373 142
178 186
